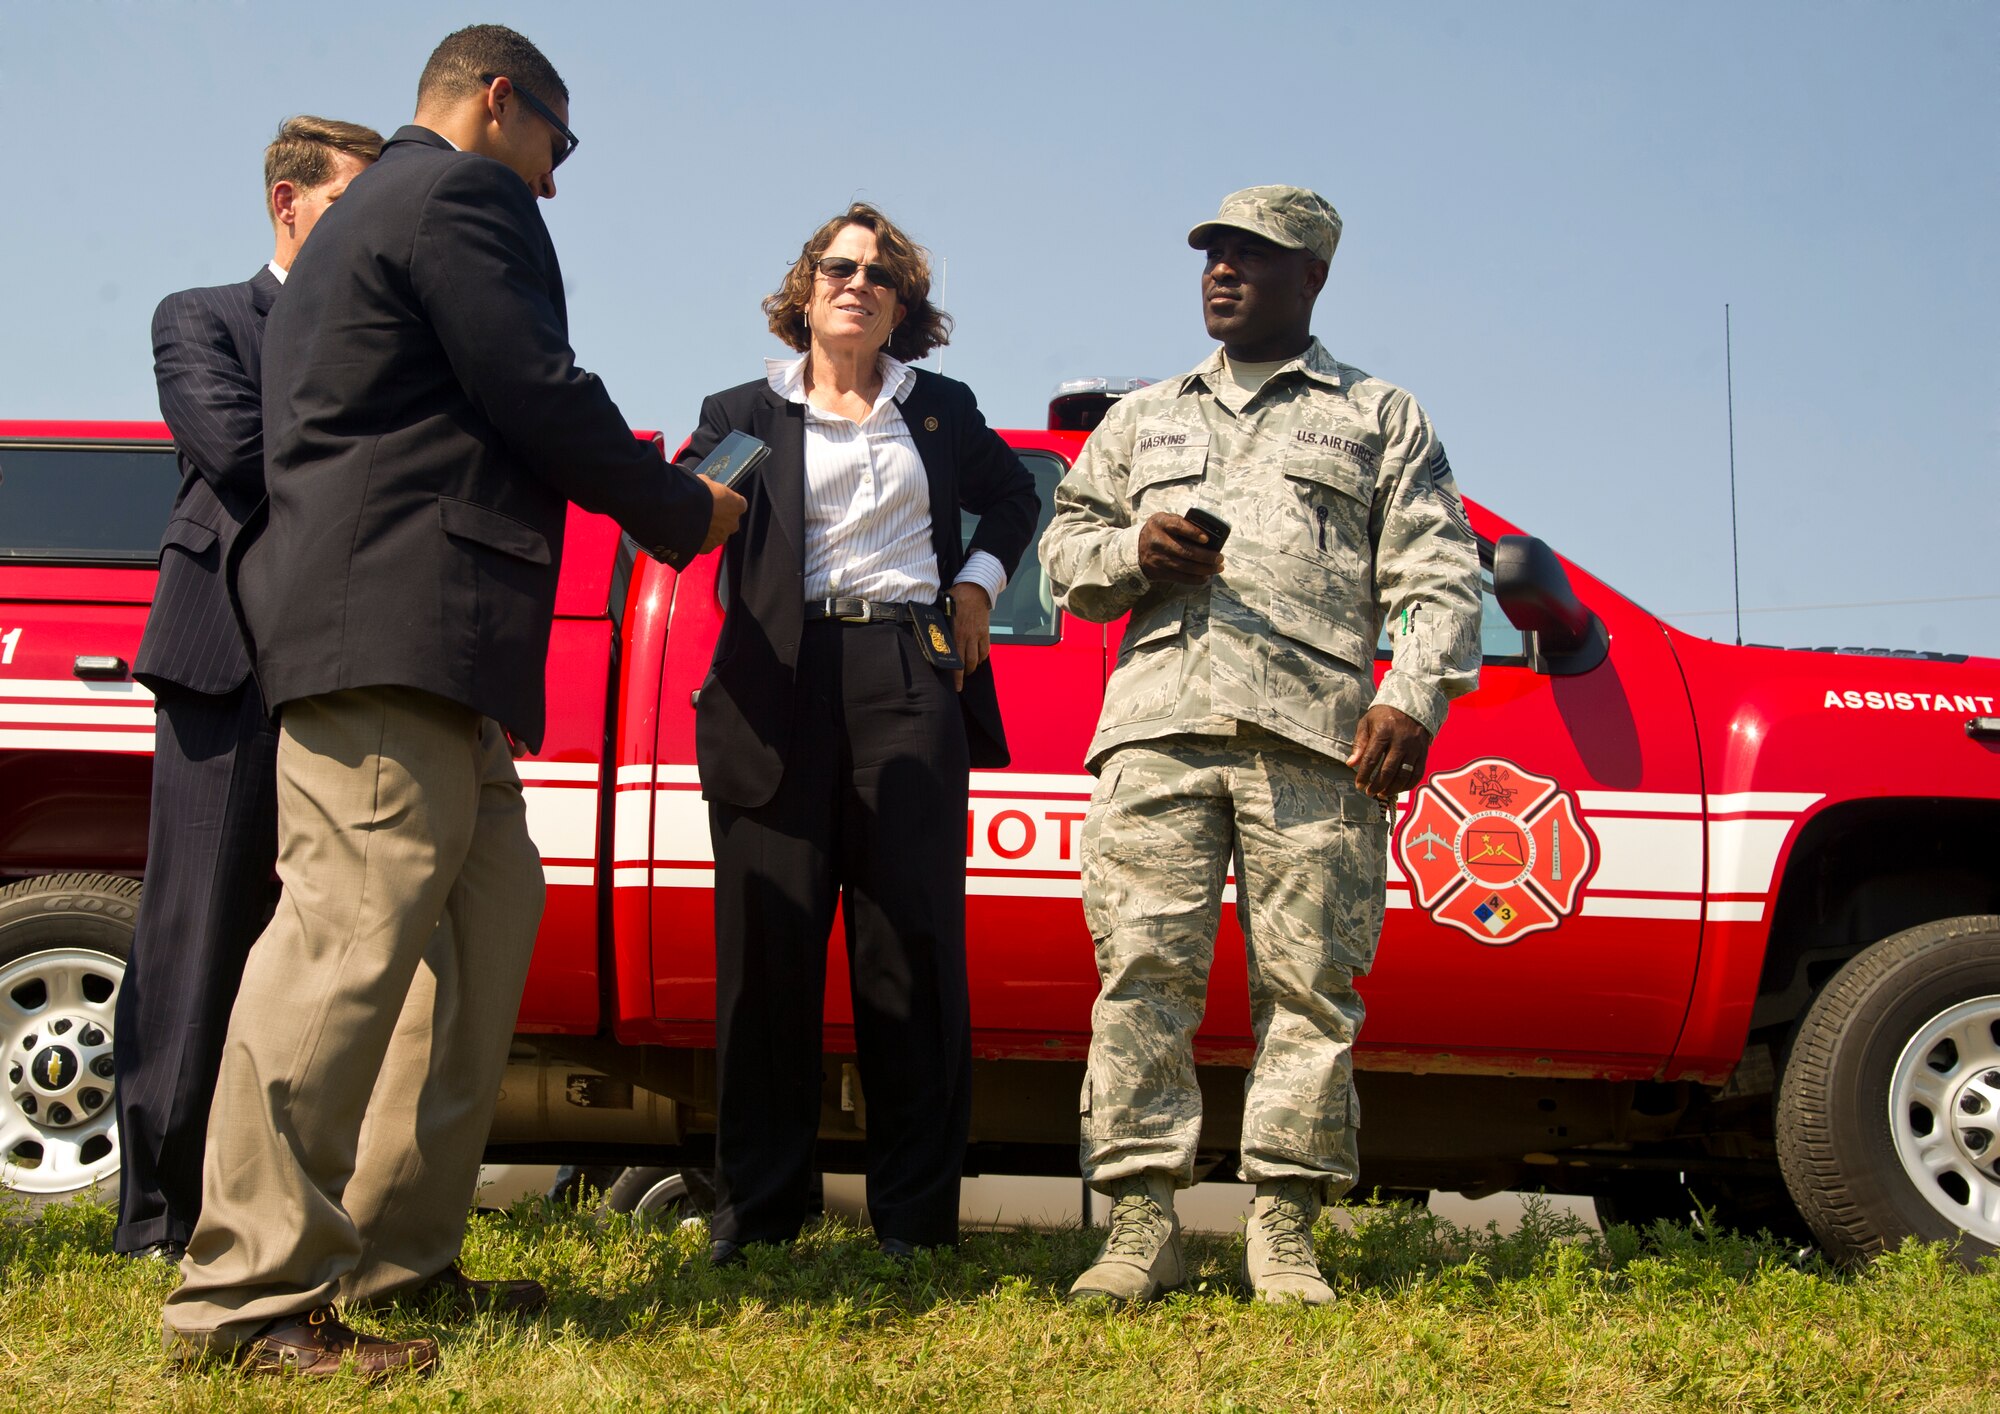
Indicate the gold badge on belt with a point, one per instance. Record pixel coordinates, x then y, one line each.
932 639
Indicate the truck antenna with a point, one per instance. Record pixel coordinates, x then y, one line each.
1735 561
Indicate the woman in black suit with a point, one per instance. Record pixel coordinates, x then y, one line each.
834 746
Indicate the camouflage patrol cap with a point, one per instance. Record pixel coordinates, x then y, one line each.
1292 217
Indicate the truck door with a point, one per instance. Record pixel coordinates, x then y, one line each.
1029 955
1028 951
80 521
1545 883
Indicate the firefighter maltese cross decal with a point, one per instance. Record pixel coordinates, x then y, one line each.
1496 851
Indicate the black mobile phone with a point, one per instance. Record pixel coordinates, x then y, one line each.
1210 524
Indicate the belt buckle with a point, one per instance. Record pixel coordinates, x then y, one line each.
867 613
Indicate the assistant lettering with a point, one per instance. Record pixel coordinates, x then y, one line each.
1858 699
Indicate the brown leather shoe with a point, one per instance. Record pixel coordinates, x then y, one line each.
319 1344
455 1292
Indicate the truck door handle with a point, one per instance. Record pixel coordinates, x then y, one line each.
1983 728
100 667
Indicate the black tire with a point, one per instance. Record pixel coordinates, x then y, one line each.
65 940
1916 1016
1732 1204
661 1195
576 1184
1641 1204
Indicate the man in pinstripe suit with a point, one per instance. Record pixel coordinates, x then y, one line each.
209 888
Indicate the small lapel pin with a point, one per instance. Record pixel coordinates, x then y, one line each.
930 424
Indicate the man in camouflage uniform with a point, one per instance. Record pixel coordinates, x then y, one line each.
1242 721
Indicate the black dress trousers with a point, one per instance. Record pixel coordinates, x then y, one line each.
209 890
870 814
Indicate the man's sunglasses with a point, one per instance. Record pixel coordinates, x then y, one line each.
542 110
839 269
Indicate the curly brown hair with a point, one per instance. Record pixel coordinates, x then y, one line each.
924 327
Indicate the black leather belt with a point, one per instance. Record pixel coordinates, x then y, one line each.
858 611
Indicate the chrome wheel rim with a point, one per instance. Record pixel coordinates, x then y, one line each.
669 1192
1944 1111
58 1122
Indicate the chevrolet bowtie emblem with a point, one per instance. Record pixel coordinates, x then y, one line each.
55 1068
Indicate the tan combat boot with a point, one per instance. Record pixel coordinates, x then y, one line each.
1141 1256
1278 1259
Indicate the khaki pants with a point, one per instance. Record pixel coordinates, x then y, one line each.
1311 851
367 1041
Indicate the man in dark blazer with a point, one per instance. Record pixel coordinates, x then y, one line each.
426 425
214 838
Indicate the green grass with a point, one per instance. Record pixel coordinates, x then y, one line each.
1431 1316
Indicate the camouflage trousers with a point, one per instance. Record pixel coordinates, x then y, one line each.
1166 819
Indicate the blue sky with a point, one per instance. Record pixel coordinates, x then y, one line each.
1546 205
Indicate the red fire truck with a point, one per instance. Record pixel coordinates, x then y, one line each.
1667 918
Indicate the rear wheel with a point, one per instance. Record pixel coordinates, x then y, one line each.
1735 1204
1889 1112
64 943
661 1195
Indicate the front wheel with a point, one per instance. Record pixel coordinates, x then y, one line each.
1889 1112
64 943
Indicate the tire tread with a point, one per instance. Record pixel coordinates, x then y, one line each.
1806 1102
71 881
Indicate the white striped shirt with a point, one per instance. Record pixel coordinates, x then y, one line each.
868 499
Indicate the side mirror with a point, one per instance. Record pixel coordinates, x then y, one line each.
1536 596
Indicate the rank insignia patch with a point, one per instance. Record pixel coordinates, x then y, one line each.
1495 851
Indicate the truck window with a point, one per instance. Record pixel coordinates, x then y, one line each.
1500 643
85 505
1026 612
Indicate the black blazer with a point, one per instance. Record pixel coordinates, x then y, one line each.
424 425
743 719
206 348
